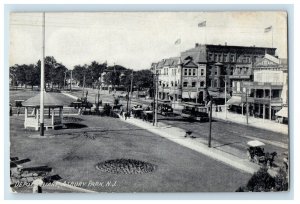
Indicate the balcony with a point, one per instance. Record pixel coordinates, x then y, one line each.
267 85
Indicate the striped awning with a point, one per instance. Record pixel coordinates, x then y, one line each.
283 112
235 100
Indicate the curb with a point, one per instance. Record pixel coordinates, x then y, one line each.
230 160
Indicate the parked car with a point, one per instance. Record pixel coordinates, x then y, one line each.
257 154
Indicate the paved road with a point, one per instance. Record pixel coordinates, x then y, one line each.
231 137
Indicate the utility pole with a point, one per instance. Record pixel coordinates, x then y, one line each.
247 106
83 85
65 80
71 80
210 121
131 88
42 89
225 97
156 96
154 89
99 91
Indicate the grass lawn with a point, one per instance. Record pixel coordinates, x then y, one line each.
25 94
74 157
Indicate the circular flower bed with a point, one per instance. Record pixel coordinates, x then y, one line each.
126 166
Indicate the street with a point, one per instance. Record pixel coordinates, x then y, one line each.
230 137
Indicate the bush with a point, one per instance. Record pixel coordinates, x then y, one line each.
262 181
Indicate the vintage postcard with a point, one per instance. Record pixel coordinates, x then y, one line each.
148 102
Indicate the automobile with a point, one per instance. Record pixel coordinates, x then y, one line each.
81 103
164 107
137 111
257 154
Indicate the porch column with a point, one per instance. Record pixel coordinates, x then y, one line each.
61 114
52 119
26 114
242 108
264 111
270 112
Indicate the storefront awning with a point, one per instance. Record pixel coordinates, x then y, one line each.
283 112
235 100
191 95
216 94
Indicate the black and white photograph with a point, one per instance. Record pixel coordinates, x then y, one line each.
125 102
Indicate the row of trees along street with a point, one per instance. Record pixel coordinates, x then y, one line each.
57 75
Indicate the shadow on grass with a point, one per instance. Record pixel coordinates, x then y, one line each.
75 125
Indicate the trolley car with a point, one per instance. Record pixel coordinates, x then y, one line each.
195 111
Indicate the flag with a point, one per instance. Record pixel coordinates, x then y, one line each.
268 29
202 24
178 41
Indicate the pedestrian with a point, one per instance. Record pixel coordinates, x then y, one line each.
18 110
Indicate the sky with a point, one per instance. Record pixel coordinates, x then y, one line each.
136 39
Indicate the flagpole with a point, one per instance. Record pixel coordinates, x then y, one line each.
272 36
42 89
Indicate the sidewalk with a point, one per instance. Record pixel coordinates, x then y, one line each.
176 135
253 122
241 119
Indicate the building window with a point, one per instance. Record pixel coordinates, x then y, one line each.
172 83
225 57
202 84
211 57
220 58
194 72
238 86
176 83
202 72
216 57
232 58
185 72
185 84
216 83
231 70
193 84
190 72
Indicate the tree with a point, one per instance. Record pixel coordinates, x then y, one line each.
78 73
32 75
144 79
13 75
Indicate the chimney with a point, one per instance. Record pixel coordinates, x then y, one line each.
225 43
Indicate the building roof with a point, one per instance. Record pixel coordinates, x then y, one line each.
197 54
50 100
272 58
169 62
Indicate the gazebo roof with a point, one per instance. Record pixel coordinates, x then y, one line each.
50 100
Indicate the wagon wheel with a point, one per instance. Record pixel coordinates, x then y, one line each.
249 156
256 160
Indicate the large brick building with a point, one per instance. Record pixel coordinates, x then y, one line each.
208 67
